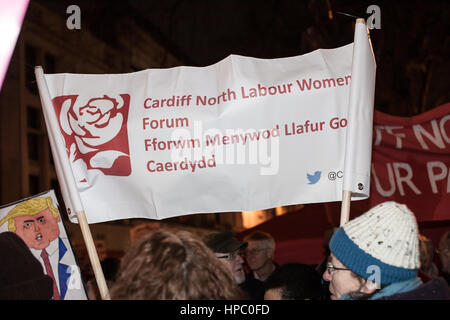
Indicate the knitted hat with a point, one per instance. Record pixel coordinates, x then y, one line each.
21 274
386 237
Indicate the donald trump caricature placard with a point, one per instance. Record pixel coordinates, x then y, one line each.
38 222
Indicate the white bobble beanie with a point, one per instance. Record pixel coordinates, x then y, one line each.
386 236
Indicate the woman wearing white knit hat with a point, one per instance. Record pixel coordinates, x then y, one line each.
375 255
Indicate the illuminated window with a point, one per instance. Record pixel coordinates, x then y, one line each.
251 219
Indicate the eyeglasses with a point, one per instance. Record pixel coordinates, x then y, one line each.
232 255
331 268
253 251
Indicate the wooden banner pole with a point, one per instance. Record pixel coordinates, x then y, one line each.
65 177
93 256
345 206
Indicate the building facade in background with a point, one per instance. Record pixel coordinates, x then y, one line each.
26 161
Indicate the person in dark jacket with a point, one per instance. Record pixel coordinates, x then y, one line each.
444 255
21 274
259 254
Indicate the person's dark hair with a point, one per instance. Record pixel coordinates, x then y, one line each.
444 242
21 274
110 267
259 235
177 266
297 282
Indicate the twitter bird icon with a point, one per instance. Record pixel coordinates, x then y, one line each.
314 178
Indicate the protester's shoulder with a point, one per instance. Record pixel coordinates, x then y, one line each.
252 284
254 288
445 276
435 289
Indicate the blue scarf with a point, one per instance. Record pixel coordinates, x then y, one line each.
393 288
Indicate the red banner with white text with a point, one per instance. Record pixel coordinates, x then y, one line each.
411 162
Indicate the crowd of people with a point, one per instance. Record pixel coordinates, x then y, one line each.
378 255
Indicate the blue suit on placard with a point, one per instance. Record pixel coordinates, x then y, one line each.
63 270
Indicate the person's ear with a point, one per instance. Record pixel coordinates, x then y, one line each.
369 287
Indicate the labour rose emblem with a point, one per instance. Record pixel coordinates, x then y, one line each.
95 133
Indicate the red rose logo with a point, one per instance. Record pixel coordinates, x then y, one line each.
95 134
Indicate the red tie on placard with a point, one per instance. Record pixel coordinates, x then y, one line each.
48 269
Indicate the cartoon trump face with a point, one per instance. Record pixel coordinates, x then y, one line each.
35 221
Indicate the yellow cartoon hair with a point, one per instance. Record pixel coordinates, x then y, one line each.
28 208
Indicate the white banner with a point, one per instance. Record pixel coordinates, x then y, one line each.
242 134
362 94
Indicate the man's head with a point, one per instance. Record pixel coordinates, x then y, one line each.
35 221
444 251
260 249
426 252
164 265
228 250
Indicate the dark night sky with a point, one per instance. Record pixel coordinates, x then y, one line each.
411 48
